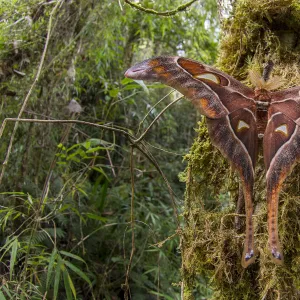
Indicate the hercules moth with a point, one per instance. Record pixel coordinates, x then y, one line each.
237 116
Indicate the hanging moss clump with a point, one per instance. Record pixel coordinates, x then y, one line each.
212 246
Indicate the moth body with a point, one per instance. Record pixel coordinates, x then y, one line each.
236 117
262 100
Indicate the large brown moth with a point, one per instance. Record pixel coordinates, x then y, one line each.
236 117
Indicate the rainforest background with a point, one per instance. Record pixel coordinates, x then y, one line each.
67 189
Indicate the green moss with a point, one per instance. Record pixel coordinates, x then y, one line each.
258 31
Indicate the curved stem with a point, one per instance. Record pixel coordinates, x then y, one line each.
154 121
167 13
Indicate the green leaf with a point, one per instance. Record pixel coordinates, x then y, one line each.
117 259
29 199
57 277
63 208
72 255
166 297
95 217
2 297
131 101
12 193
72 147
72 285
132 87
17 215
73 209
50 267
13 257
77 271
100 170
114 92
77 152
87 144
81 191
95 142
126 80
97 148
74 158
155 269
7 291
67 284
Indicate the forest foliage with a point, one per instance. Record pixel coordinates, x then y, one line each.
67 189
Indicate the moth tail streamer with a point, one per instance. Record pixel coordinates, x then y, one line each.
249 253
274 244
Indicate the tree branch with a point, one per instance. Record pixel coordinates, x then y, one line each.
167 13
157 117
62 122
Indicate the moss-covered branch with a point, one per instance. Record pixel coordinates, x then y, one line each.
212 247
161 13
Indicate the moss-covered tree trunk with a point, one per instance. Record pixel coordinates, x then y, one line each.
212 247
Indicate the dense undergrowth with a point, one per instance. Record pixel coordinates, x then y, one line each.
66 190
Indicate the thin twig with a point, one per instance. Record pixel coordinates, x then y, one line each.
156 165
45 296
126 285
53 163
167 13
161 243
51 118
147 114
157 117
120 4
111 163
164 150
63 121
4 164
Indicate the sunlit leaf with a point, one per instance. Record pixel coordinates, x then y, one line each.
114 92
126 80
86 144
72 255
77 271
97 149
